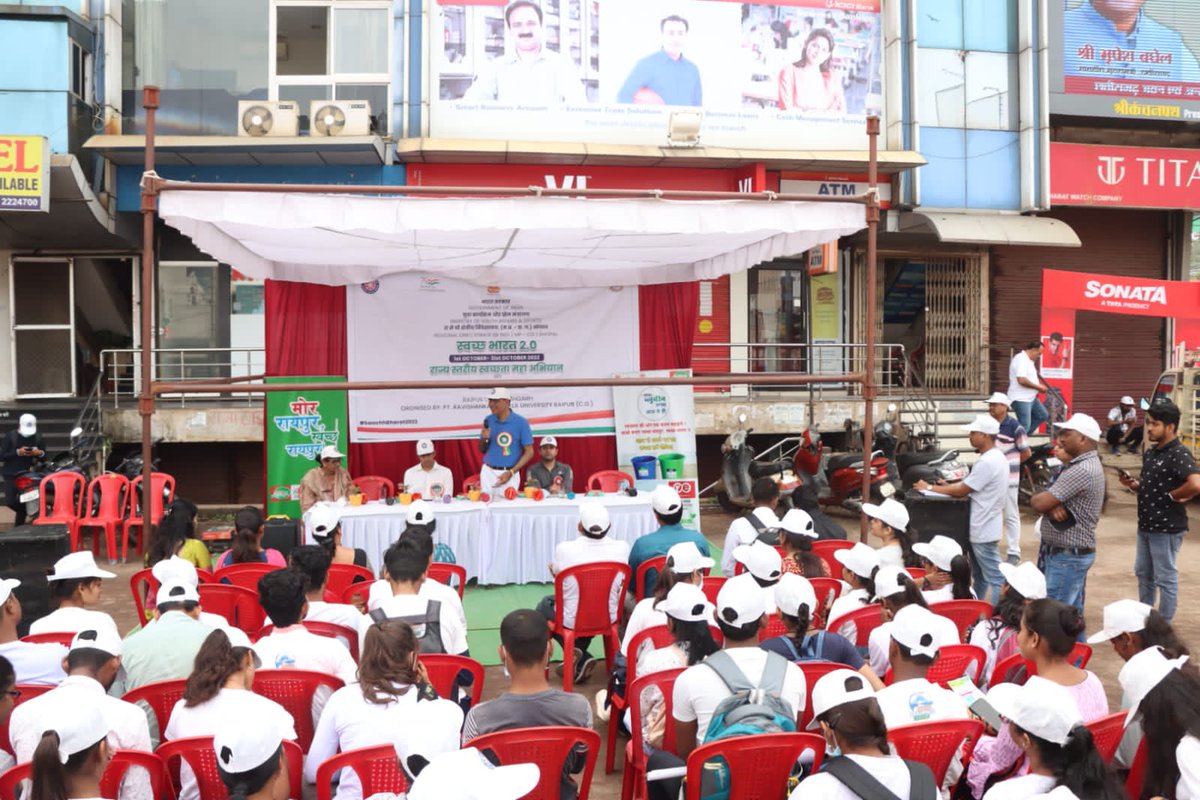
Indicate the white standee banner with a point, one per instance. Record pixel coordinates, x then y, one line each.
656 437
411 327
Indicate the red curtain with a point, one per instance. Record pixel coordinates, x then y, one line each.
306 335
667 315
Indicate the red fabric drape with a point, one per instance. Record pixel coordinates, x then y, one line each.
306 335
305 328
667 314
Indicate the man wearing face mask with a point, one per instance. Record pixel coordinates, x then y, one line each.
528 73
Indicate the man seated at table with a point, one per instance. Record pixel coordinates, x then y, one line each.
550 473
429 479
668 510
590 546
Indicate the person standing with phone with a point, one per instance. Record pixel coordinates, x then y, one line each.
506 442
19 451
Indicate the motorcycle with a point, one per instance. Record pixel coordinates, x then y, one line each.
1038 471
29 483
838 478
740 468
931 466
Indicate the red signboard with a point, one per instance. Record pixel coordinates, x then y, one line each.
1085 291
1129 177
558 176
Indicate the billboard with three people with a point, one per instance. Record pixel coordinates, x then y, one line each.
796 74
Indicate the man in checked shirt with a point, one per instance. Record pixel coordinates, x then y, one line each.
1071 510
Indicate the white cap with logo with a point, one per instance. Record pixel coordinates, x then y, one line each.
175 570
794 591
1084 424
1040 707
686 603
425 447
940 550
917 629
1126 400
890 512
760 560
593 517
890 581
329 451
78 565
983 423
862 559
27 425
1122 616
468 775
419 512
1142 673
684 558
836 689
740 602
105 640
1000 399
323 519
499 393
176 592
78 730
6 588
548 441
797 520
1025 579
665 500
242 747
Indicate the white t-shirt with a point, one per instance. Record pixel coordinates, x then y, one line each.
36 663
432 485
214 621
585 550
643 616
880 640
699 690
72 619
989 491
981 636
918 700
1022 366
741 531
204 719
943 594
454 634
446 595
337 613
297 648
891 555
1187 755
891 771
851 601
1021 788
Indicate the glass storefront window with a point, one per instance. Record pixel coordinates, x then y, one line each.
360 40
301 40
778 318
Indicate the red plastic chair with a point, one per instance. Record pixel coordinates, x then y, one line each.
244 575
864 620
916 573
376 767
758 766
1137 771
54 637
332 630
608 480
473 482
548 748
592 617
443 669
448 574
964 613
160 482
1107 733
108 494
658 564
69 490
161 696
357 594
813 672
936 743
11 779
237 605
1017 669
28 692
955 661
144 588
342 575
197 751
375 487
712 587
633 778
294 689
122 760
823 587
825 548
773 628
657 635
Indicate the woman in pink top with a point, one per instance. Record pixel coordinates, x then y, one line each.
1049 630
811 84
247 542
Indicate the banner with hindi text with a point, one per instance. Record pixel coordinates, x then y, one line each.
298 425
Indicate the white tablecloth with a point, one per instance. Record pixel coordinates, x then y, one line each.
505 541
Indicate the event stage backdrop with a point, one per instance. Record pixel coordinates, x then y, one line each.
423 328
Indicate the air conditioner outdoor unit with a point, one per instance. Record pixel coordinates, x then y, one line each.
339 118
268 118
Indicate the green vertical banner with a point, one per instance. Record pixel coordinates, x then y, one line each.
298 425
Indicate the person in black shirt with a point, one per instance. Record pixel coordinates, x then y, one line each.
19 451
551 474
1169 479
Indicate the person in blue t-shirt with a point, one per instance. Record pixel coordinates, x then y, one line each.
506 442
665 77
668 510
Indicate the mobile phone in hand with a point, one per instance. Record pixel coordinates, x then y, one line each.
1124 474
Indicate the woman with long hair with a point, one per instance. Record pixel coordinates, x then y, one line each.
250 760
219 689
998 635
70 759
175 535
685 564
1166 699
796 535
850 720
896 589
811 83
859 565
75 584
889 524
247 541
325 525
1049 630
796 601
1059 751
377 709
947 571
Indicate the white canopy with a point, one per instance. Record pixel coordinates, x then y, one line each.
509 241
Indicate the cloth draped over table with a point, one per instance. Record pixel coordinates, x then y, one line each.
306 335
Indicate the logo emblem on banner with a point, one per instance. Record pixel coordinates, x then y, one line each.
653 403
505 440
370 287
437 490
1111 169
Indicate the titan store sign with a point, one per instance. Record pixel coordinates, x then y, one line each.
1131 177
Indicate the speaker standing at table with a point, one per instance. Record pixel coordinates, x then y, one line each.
506 442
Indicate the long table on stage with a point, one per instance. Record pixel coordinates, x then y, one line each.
505 541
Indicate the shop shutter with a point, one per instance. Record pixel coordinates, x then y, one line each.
1115 354
953 325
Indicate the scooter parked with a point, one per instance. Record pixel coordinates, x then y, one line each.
1039 470
838 478
740 468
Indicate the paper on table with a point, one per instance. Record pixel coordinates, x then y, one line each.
937 495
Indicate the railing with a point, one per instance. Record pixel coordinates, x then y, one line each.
891 366
120 372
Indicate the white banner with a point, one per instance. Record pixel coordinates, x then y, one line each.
409 327
654 421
